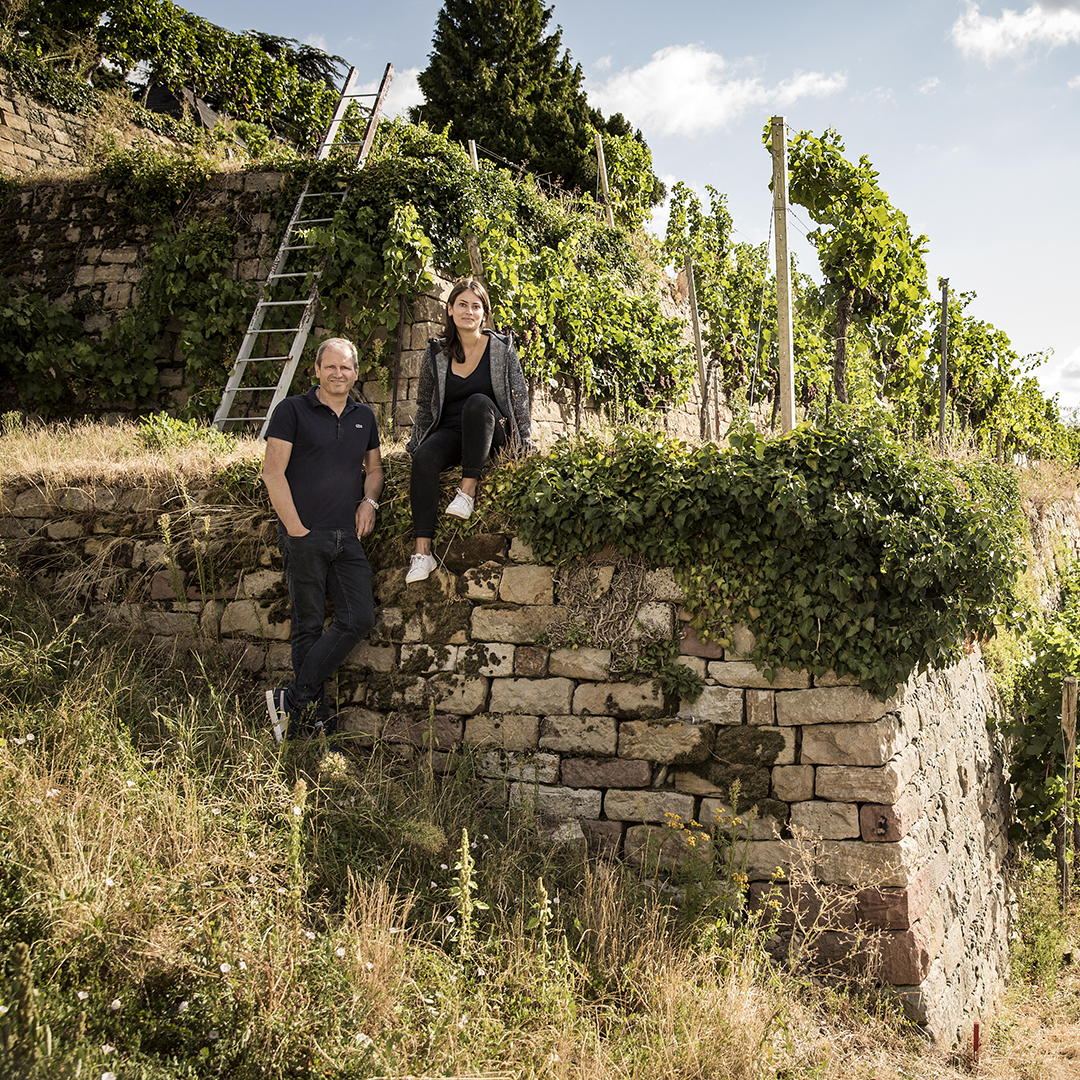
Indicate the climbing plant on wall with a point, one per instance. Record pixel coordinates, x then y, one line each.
837 549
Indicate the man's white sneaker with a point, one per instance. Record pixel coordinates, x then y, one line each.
461 506
420 568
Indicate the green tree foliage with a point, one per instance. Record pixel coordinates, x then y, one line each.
873 267
234 71
1037 753
494 75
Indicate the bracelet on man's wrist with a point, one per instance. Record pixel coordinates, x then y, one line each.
372 501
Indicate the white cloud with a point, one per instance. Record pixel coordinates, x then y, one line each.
1074 84
603 64
928 85
316 41
1045 23
404 92
688 90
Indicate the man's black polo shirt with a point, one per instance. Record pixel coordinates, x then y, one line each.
325 471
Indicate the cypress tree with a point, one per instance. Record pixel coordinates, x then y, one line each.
496 77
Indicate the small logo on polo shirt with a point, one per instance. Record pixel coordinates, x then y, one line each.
360 426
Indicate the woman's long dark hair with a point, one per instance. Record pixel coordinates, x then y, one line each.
451 343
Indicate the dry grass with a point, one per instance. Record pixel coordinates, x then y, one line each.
58 455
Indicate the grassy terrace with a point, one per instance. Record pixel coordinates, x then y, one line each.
197 902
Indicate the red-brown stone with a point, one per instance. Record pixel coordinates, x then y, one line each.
602 837
530 661
612 773
879 823
442 732
691 645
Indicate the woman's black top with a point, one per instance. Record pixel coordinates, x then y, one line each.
459 390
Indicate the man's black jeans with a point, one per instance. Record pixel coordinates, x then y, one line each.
326 562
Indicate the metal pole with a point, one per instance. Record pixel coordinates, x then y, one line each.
783 274
472 155
944 361
603 178
706 432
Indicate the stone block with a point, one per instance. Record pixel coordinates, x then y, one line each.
906 955
254 584
764 820
422 659
250 617
473 550
743 673
163 584
362 725
529 768
671 743
641 699
656 847
826 820
793 783
602 837
868 744
851 862
830 678
884 784
531 661
609 773
714 705
900 908
527 584
440 732
648 806
583 664
541 697
765 857
579 734
482 582
556 802
515 626
660 584
830 705
741 643
653 619
64 529
31 503
509 732
761 708
462 695
520 552
491 660
691 663
379 658
692 645
889 823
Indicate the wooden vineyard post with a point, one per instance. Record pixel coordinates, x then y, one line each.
706 430
1068 730
603 180
783 275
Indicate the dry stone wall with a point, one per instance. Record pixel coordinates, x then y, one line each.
35 136
899 805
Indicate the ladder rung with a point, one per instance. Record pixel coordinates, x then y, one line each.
260 359
310 221
298 247
280 330
242 389
281 303
324 194
296 273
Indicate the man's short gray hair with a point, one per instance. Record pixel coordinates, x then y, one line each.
341 344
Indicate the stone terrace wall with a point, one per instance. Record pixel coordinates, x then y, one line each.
904 801
76 241
36 136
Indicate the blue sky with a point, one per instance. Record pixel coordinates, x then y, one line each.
970 112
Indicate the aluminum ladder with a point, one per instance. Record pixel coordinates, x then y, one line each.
304 216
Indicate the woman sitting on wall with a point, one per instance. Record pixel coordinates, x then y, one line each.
472 401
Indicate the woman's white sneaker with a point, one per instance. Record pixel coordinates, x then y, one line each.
420 568
461 506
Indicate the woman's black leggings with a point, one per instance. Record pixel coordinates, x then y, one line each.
480 434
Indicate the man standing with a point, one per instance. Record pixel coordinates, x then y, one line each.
323 470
